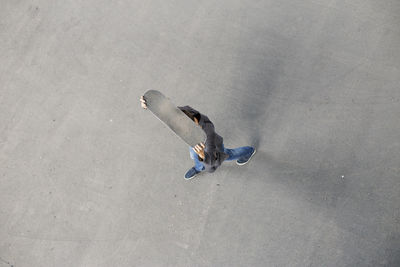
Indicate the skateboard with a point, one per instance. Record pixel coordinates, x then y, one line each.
174 118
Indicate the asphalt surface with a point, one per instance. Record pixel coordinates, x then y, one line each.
88 178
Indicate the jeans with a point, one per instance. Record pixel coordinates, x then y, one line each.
234 154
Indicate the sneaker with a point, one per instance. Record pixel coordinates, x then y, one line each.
242 162
190 174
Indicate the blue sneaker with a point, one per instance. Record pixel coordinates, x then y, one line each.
190 174
242 162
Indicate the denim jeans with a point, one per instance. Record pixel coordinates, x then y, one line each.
234 154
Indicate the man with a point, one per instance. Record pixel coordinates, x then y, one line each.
209 156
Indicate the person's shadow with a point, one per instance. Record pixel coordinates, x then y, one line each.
254 102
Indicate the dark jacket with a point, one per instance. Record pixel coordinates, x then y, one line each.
214 150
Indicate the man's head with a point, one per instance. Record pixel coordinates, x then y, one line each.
193 115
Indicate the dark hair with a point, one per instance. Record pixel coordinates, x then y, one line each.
192 115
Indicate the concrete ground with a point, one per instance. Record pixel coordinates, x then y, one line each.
88 178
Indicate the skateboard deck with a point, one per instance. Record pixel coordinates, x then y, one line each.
174 118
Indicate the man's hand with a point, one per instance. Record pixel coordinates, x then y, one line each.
199 149
143 102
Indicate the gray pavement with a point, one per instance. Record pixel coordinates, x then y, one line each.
88 178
